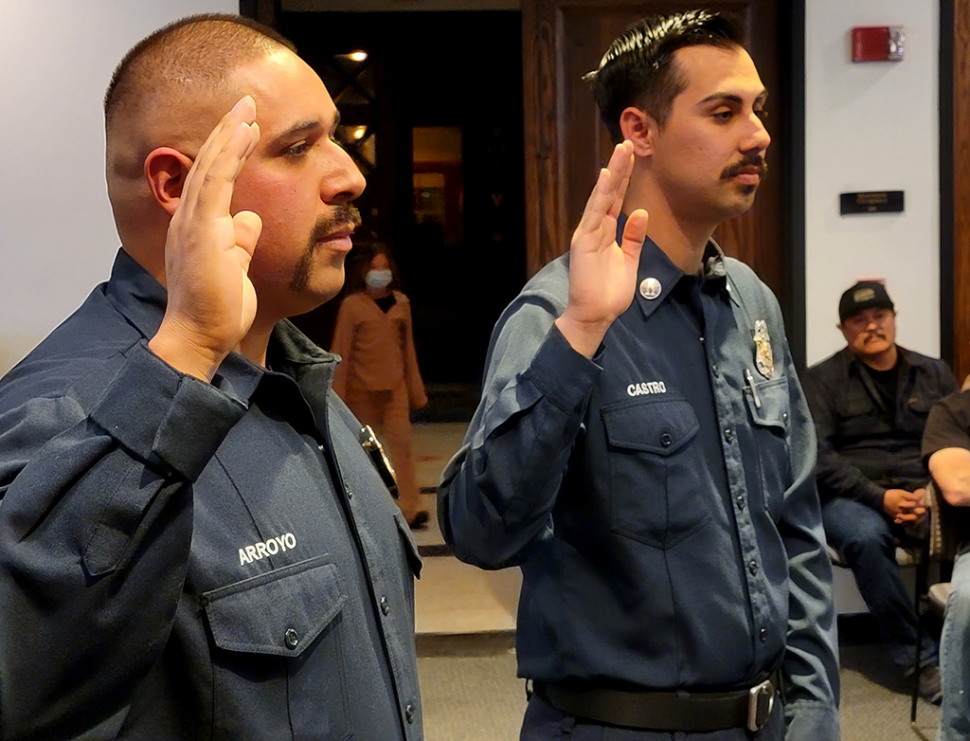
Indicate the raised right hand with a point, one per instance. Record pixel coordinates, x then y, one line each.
211 301
602 273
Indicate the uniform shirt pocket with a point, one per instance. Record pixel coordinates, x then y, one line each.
769 404
279 635
857 414
654 471
278 613
919 406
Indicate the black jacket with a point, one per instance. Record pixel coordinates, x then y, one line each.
860 452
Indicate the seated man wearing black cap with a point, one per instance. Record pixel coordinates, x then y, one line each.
870 402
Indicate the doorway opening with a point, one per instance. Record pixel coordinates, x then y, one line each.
431 111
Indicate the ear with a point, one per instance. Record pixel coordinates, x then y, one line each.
639 127
165 171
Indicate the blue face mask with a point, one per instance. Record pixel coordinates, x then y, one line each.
378 279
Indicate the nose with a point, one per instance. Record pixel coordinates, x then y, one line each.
759 138
343 181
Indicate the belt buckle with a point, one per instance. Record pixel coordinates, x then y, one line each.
761 698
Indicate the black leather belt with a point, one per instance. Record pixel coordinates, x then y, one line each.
692 712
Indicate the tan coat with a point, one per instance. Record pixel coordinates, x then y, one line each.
377 348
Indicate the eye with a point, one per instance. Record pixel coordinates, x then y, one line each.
297 150
761 113
723 115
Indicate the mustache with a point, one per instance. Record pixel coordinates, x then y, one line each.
749 160
341 218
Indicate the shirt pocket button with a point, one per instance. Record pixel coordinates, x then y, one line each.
291 638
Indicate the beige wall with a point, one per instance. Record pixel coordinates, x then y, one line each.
57 239
872 126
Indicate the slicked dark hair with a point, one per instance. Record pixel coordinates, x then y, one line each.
638 69
204 44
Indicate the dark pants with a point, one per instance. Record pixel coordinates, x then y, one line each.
544 723
866 543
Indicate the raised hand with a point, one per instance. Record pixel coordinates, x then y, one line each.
211 301
602 273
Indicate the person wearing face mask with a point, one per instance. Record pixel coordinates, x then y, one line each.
378 377
870 402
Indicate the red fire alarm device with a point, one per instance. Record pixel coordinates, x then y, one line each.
878 43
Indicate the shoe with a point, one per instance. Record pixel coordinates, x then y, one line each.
929 684
420 522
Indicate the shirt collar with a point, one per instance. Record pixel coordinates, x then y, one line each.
656 266
905 361
136 294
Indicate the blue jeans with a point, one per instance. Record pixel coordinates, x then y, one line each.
954 659
865 541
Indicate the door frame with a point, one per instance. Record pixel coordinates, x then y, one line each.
954 93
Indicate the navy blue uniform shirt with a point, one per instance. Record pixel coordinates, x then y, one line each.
660 498
182 560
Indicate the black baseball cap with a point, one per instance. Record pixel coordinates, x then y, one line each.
866 294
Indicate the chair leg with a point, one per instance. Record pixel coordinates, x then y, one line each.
916 671
921 588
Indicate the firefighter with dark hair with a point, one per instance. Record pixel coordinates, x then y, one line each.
643 449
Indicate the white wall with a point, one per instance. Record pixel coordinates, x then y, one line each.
57 238
872 126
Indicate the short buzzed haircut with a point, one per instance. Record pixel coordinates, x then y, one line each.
638 69
170 90
200 50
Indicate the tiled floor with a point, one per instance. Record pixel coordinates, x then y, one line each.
451 597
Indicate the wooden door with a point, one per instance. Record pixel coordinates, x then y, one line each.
955 171
566 144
